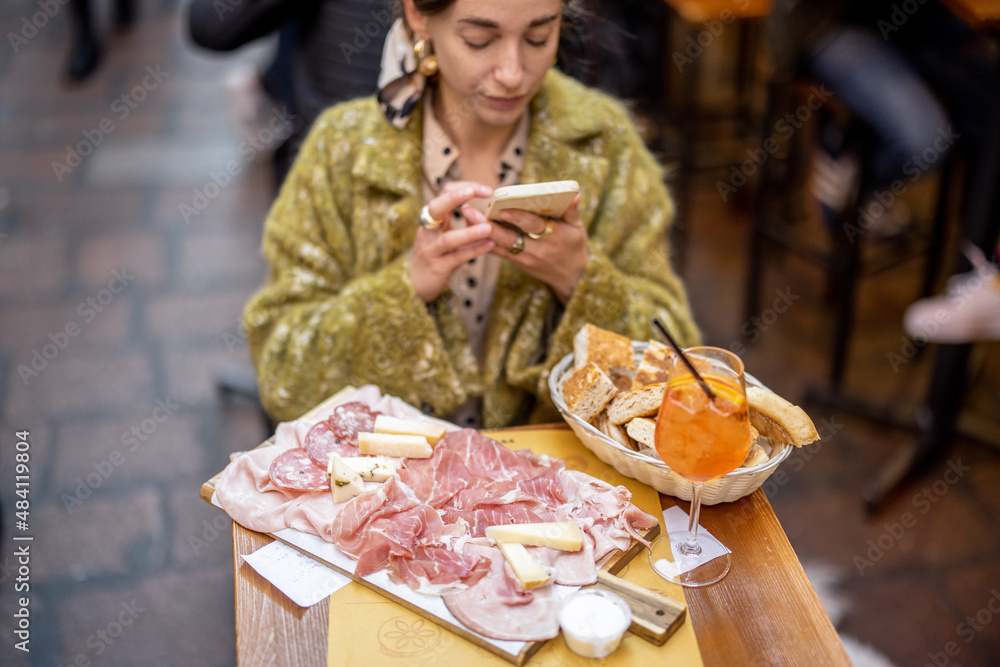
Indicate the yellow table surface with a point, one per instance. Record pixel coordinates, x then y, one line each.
368 629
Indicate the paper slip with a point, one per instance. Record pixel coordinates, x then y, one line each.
676 520
305 581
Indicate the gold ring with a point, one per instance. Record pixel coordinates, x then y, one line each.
426 221
518 246
548 230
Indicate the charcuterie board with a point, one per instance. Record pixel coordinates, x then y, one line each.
655 629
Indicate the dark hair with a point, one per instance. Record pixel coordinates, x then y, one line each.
573 31
430 7
571 8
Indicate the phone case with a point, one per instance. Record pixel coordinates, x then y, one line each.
549 200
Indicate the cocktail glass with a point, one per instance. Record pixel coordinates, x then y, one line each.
701 439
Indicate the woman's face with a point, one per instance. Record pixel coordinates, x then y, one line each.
492 54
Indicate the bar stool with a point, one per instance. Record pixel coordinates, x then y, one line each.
842 255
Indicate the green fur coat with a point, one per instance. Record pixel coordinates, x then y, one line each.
339 308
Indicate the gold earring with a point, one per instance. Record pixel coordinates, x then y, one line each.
427 63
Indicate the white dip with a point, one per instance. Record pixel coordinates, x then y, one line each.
593 622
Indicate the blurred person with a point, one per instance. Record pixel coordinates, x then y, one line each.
85 51
328 52
968 311
382 266
840 44
897 72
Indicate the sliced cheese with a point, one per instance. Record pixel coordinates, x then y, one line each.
371 468
397 426
400 446
345 482
528 570
564 535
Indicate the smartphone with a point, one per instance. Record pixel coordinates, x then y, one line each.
549 200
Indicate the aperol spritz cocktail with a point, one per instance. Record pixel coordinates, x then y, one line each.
702 439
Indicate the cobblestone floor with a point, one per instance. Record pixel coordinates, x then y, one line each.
123 306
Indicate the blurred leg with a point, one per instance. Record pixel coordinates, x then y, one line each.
124 13
84 52
878 84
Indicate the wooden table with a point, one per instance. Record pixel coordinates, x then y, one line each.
764 612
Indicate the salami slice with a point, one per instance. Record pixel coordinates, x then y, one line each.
339 434
295 470
350 419
321 442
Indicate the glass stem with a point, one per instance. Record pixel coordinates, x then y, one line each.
691 547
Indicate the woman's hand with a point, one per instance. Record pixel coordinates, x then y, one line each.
436 253
558 259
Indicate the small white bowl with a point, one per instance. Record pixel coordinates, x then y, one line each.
593 621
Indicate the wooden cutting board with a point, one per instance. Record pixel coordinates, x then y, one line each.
655 617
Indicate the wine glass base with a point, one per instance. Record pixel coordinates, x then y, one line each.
688 571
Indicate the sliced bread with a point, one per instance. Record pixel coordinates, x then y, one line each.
611 352
657 362
642 429
644 402
755 456
587 391
614 431
778 419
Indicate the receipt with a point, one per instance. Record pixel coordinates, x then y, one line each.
304 580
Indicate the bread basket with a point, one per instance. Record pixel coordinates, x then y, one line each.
733 486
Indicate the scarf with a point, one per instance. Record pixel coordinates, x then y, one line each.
400 85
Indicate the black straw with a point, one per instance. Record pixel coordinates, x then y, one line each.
687 362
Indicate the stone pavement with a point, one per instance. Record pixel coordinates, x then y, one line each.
123 271
118 309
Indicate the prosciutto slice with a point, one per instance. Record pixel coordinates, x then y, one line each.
477 479
386 521
436 570
390 528
481 518
605 512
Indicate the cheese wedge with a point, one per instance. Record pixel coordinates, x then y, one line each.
527 570
564 535
397 426
371 468
345 482
400 446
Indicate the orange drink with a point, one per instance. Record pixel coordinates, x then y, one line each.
702 433
698 438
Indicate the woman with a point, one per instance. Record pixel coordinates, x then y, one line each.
457 315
